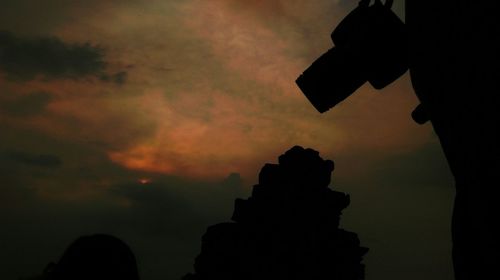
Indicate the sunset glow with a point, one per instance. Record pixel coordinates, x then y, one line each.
145 181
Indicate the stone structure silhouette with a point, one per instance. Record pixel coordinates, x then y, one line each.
287 229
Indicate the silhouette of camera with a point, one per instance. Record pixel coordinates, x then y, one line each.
370 45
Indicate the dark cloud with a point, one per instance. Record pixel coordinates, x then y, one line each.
25 58
233 180
117 78
40 160
157 210
25 106
174 198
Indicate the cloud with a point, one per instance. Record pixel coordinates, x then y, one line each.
26 58
160 208
39 160
118 78
26 105
232 98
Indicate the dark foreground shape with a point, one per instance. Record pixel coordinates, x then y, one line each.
94 257
287 229
454 53
370 45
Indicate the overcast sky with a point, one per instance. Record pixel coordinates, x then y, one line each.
146 119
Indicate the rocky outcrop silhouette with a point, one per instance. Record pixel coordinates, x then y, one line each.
96 257
287 229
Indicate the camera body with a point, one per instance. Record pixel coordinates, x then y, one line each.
370 45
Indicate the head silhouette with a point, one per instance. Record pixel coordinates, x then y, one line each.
96 257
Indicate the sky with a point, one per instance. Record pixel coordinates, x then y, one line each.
146 119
